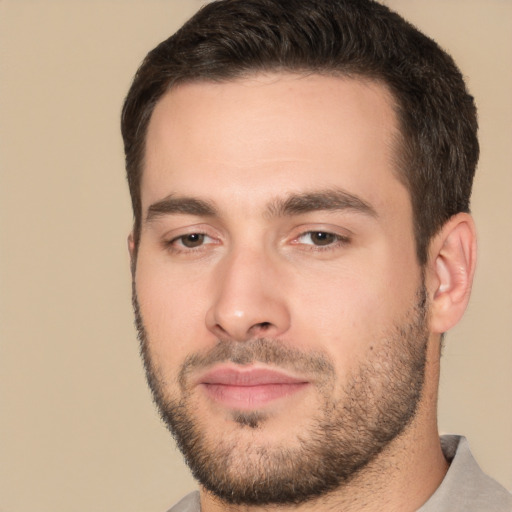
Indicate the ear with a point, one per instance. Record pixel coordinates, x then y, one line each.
451 267
132 250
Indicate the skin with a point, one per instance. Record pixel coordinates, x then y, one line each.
244 148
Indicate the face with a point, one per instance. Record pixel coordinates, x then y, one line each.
278 297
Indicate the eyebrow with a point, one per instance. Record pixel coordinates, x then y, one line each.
184 205
328 200
294 204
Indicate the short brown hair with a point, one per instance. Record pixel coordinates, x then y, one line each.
228 39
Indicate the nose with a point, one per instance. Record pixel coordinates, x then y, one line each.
249 299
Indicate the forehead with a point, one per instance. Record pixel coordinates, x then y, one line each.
271 131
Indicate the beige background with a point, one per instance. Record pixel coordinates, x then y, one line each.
78 431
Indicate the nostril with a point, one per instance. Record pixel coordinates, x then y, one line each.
260 329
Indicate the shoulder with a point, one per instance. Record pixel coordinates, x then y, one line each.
466 488
190 503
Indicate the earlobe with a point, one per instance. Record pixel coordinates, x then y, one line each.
452 261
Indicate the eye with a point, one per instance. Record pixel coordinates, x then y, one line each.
320 238
190 241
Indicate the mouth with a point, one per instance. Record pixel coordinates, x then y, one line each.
248 388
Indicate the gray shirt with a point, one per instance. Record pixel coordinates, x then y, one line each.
465 488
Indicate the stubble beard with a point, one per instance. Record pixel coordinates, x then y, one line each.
351 428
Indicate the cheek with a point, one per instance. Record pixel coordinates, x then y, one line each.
172 308
342 315
353 307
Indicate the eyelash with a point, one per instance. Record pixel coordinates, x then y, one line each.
339 241
173 246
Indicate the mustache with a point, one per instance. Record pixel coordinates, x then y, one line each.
261 350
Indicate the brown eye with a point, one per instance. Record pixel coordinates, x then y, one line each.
192 240
322 238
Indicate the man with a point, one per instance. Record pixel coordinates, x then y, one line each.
300 173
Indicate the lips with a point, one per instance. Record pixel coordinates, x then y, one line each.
248 388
